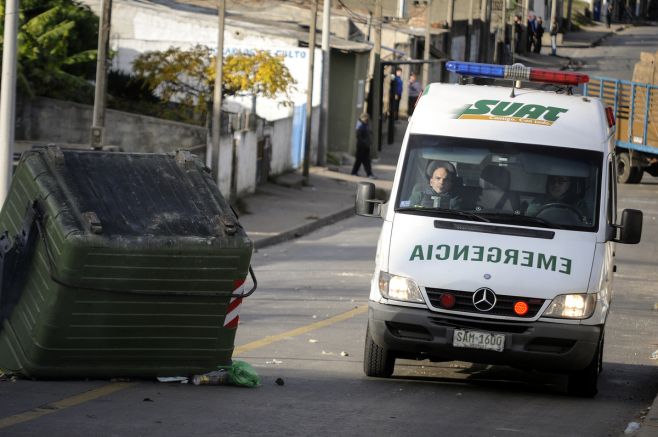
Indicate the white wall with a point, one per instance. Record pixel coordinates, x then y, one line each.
139 27
246 156
280 134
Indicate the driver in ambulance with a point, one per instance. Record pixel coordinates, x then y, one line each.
560 190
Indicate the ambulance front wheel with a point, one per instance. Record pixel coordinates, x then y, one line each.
627 173
583 383
377 361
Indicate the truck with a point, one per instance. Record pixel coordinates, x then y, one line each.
635 107
498 238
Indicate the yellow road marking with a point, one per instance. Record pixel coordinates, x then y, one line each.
299 331
63 403
115 387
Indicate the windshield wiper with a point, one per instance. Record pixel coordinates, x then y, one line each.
454 212
526 219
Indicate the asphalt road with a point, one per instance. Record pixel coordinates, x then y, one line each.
305 326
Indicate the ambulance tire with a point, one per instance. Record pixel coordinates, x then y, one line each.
583 383
626 173
377 361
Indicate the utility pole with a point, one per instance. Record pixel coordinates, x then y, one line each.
217 92
469 32
98 123
449 21
484 32
554 12
569 5
428 43
323 145
451 13
309 90
500 40
8 97
524 16
377 78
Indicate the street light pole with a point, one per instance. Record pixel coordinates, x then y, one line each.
8 97
217 92
98 123
309 90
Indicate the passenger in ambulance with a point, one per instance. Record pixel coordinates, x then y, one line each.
561 195
440 191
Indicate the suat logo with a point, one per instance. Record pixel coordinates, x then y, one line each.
517 112
484 299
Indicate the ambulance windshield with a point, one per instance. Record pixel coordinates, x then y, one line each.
514 183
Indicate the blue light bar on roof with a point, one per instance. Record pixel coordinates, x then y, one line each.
516 72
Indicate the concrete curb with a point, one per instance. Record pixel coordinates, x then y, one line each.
649 427
304 229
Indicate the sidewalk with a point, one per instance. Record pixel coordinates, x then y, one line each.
286 210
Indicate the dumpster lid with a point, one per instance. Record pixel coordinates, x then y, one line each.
135 194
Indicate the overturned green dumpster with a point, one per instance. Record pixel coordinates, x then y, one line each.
118 265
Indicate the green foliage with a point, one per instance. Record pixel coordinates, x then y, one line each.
56 49
188 76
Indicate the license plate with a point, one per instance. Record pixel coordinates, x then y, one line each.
478 340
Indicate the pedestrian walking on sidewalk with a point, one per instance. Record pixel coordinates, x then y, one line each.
539 33
518 33
553 30
608 15
398 87
530 28
414 91
363 143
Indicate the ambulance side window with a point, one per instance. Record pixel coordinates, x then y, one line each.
611 212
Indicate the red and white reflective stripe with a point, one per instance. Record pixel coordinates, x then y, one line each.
233 311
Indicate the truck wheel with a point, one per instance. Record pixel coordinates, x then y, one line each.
636 176
626 173
583 383
377 361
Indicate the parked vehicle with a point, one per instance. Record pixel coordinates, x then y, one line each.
487 265
635 106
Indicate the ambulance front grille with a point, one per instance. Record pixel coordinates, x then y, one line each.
504 304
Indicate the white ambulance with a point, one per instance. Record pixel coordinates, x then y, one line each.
497 245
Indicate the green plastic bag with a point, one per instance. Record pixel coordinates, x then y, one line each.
242 374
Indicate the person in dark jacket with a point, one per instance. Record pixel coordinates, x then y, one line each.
531 27
398 87
363 143
539 33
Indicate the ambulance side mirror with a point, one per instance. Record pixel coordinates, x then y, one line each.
366 204
630 229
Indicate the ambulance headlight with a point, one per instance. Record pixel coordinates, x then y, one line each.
399 288
571 306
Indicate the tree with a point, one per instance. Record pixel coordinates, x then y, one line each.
56 49
187 76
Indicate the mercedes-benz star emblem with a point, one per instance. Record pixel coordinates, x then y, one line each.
484 299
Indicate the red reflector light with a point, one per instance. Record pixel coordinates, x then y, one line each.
560 77
447 300
521 308
610 115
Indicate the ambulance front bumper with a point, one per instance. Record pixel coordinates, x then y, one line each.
418 333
